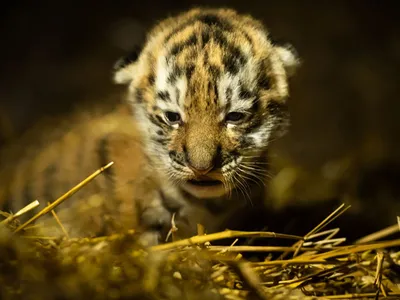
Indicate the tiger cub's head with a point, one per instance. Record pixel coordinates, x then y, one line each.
209 91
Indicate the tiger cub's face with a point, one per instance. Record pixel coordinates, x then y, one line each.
208 90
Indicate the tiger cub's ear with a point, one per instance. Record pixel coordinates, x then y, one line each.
124 68
289 57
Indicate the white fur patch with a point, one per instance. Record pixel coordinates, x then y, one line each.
178 89
262 136
162 72
181 85
289 59
124 75
242 105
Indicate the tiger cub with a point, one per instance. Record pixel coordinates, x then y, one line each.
205 97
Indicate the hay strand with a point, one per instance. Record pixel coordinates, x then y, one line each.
322 266
22 211
220 236
64 197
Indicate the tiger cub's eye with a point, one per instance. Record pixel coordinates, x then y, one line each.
173 117
235 117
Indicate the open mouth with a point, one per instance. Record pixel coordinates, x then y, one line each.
205 182
203 187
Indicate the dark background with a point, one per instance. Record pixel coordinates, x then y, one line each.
344 144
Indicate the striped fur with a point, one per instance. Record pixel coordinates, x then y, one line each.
206 67
51 159
207 92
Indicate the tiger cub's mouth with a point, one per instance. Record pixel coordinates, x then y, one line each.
205 187
205 182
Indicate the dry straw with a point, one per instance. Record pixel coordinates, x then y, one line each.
317 266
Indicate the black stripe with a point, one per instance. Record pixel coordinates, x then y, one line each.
227 157
210 20
161 120
205 36
244 93
164 95
156 121
161 141
185 153
205 56
231 64
234 59
247 141
213 87
213 20
219 38
263 80
237 53
179 162
178 29
177 157
276 108
215 71
189 71
218 159
139 95
151 79
176 72
192 40
255 106
128 59
247 37
254 125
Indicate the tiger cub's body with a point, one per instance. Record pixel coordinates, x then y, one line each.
50 159
205 97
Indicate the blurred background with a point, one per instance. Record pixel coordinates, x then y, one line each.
344 145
